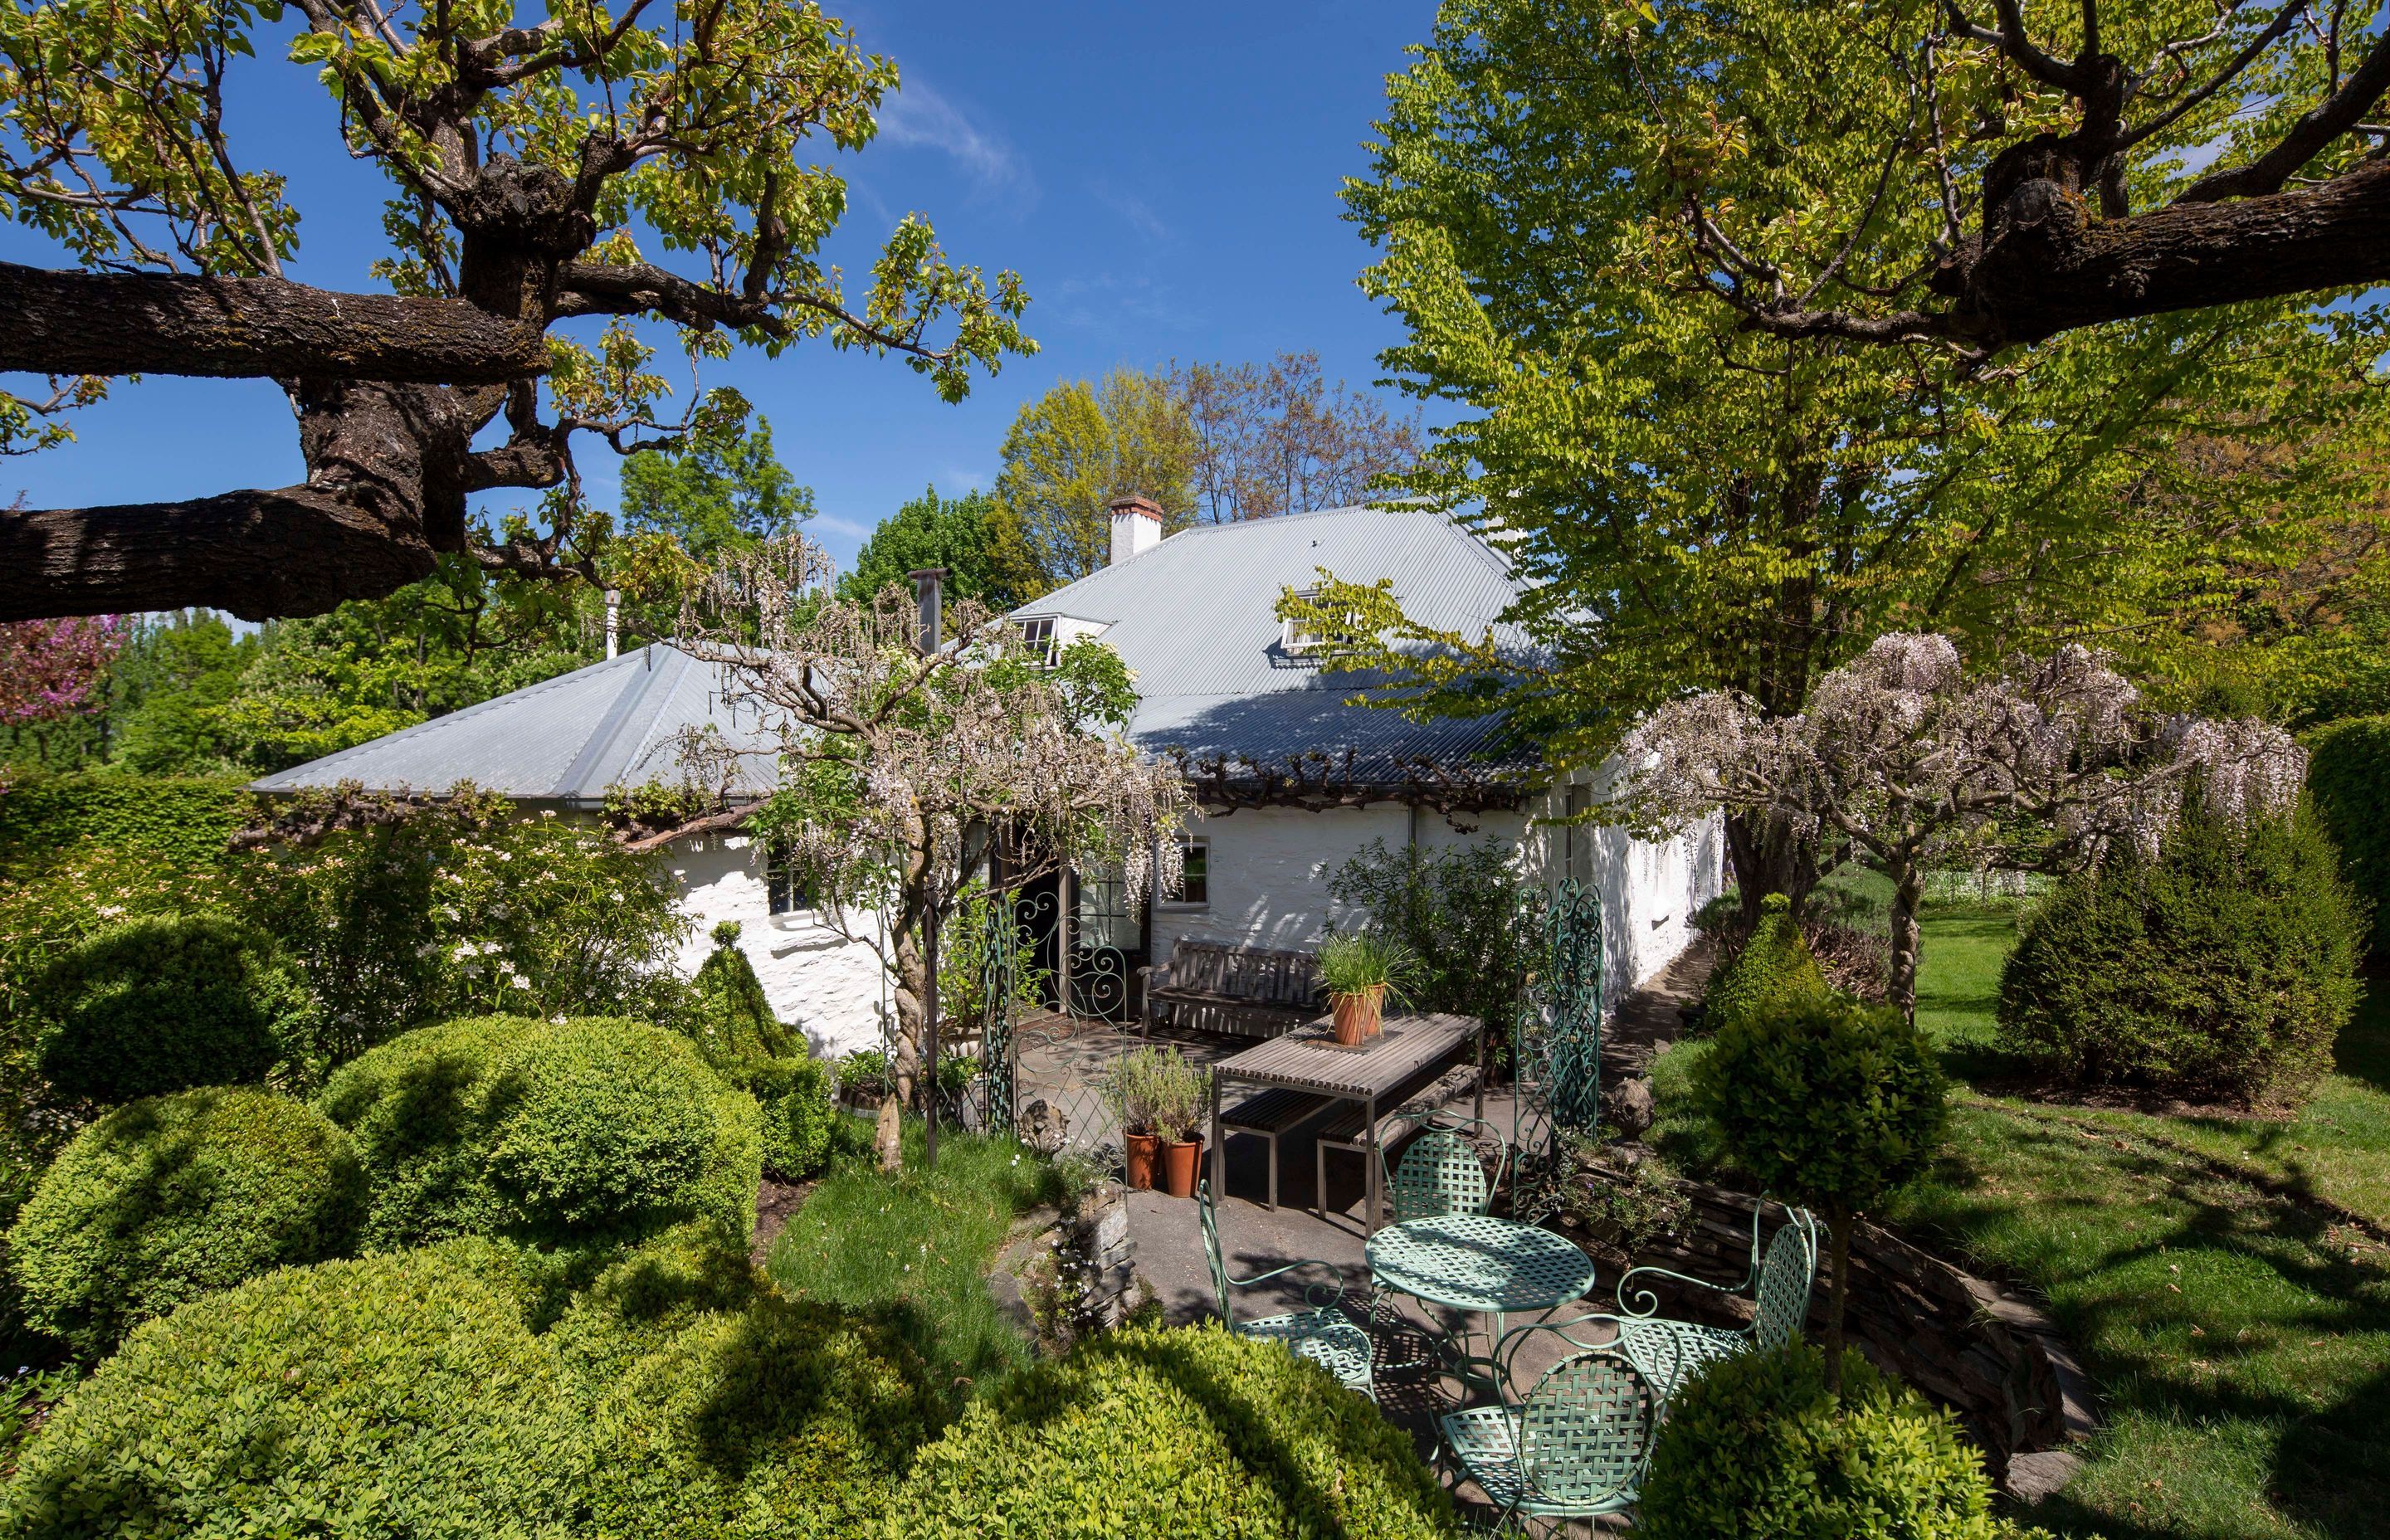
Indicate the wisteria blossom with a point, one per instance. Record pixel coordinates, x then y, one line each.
2043 764
893 763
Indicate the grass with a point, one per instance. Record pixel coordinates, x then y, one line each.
2236 1324
916 1246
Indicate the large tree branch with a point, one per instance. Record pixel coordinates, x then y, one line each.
295 551
2334 116
59 322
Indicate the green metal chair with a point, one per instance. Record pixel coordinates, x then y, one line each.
1778 1283
1574 1446
1441 1172
1323 1333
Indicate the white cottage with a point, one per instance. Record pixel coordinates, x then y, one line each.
1295 781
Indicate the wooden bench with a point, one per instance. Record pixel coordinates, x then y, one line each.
1270 1115
1424 1093
1247 989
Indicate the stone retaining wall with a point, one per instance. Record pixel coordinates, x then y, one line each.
1076 1275
1990 1356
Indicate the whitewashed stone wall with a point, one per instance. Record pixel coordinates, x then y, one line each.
830 988
1270 866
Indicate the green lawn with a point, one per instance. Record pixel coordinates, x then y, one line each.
2237 1325
916 1246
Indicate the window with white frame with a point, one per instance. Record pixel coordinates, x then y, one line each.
1037 631
786 888
1194 889
1303 635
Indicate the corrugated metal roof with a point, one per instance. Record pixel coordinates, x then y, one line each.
565 739
1196 620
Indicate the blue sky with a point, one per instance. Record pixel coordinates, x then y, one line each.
1164 179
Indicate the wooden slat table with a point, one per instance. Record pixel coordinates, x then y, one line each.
1308 1059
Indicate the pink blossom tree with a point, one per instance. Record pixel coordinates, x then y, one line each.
51 669
2040 765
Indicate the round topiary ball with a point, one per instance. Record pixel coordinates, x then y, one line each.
397 1396
1186 1432
166 1200
2222 969
586 1131
164 1004
1758 1447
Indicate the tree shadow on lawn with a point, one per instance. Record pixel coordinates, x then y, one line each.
2198 1300
2363 1050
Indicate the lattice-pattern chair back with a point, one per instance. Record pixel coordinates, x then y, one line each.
1781 1299
1443 1172
1585 1432
1211 1249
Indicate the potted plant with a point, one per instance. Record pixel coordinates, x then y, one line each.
1360 971
1129 1090
1183 1094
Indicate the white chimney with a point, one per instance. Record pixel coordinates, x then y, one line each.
614 624
1137 527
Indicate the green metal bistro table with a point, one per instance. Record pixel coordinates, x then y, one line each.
1476 1262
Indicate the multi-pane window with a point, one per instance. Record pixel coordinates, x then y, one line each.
785 887
1194 890
1037 631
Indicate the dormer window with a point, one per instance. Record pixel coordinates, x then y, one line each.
1037 631
1305 635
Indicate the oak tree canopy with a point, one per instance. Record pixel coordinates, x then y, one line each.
638 163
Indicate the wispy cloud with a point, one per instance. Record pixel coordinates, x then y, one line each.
854 529
920 117
1136 210
1113 306
970 480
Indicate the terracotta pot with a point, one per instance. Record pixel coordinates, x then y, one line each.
1143 1149
1180 1164
1356 1015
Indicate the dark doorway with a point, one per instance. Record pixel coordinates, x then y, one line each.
1089 942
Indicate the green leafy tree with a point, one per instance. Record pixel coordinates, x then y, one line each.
716 491
958 534
1700 504
1072 452
660 170
168 689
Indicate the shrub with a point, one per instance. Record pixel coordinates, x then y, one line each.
163 1003
463 908
1759 1446
2348 778
2224 968
166 1200
730 1015
1184 1431
786 1417
1829 1104
576 1132
1470 916
179 820
396 1397
1772 966
793 1096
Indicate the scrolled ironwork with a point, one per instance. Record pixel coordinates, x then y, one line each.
1557 1047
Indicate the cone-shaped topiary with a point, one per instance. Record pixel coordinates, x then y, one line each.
1773 965
171 1197
2223 967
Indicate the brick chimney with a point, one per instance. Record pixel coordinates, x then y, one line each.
1137 527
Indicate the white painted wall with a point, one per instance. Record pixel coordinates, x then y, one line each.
1269 871
832 989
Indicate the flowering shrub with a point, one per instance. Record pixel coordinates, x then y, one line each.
462 908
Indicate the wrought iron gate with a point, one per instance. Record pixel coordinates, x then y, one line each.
1556 1043
1044 1082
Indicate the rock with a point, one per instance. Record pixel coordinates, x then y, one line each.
2041 1474
1627 1107
1044 1128
1659 1047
